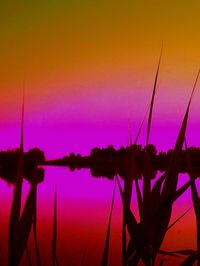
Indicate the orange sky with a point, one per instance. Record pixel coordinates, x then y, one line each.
74 43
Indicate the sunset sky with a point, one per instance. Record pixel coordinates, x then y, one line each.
89 68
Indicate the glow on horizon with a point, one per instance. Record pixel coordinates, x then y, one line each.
102 119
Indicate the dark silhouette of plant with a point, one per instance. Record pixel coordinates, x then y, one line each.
16 203
104 261
20 225
54 233
193 255
155 206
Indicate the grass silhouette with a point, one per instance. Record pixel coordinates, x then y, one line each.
54 232
20 224
16 203
155 204
107 242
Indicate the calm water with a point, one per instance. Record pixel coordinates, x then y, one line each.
83 205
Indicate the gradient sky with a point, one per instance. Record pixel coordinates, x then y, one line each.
89 68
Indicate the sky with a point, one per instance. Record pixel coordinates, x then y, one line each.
89 68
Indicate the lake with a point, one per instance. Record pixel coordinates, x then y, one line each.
83 207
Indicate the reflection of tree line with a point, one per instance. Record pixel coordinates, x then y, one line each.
103 162
109 162
9 161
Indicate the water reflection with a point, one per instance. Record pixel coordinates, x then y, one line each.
22 220
32 176
83 205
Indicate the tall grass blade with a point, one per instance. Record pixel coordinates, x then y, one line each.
178 219
180 192
38 260
139 199
16 203
170 184
123 239
25 223
156 191
186 252
134 260
196 203
129 213
168 253
28 256
153 96
195 199
54 235
132 227
120 189
145 116
131 174
104 261
147 181
141 126
147 178
171 181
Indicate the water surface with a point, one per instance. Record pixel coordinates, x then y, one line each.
83 206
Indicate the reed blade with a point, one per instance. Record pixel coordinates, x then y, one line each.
196 204
141 126
120 189
123 239
195 199
178 219
139 199
16 202
132 224
135 259
131 249
186 252
28 256
168 253
54 234
152 98
172 173
180 192
25 223
104 261
169 192
170 183
131 174
156 193
146 179
37 251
